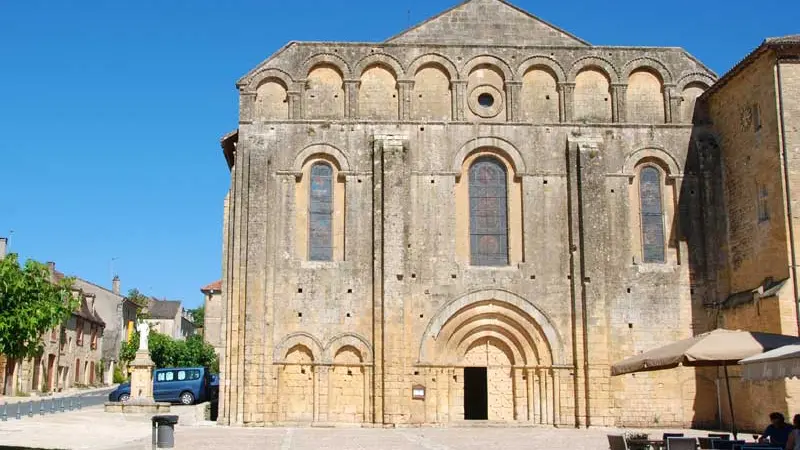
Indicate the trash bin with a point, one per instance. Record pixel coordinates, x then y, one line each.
164 431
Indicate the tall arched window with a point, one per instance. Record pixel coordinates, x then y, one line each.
320 213
488 213
650 202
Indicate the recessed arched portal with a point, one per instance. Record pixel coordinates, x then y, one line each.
501 351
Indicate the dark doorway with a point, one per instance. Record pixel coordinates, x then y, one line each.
476 403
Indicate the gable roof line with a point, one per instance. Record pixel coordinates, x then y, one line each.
517 8
258 66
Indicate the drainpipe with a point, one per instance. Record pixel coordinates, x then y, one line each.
788 192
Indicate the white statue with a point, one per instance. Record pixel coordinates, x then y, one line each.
144 329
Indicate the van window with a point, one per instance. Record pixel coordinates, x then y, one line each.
169 376
160 376
194 374
181 375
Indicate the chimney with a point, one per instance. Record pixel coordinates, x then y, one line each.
51 267
3 247
115 285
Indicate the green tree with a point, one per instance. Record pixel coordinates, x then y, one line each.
140 300
30 305
168 352
198 315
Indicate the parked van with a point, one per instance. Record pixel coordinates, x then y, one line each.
186 385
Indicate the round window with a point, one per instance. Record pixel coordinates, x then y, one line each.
486 100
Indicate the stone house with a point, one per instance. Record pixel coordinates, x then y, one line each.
475 218
72 353
168 317
212 326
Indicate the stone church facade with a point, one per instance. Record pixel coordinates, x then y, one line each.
470 220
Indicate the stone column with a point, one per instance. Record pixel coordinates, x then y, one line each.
351 98
618 105
672 104
567 99
513 89
323 390
247 106
556 396
459 89
404 90
295 99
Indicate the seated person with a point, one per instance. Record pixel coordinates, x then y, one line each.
777 431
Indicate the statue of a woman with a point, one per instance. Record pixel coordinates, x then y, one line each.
144 329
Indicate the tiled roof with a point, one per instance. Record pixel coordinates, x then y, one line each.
163 309
788 39
213 287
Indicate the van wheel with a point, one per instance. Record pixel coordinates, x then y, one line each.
124 398
187 398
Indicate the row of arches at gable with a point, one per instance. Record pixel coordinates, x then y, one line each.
433 89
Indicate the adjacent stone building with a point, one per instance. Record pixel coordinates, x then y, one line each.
168 317
212 321
750 166
471 221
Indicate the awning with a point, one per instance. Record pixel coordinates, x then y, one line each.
782 362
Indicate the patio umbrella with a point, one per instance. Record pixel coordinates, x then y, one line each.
783 362
713 349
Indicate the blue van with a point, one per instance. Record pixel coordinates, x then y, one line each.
185 385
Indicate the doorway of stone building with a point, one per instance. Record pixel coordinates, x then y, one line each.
476 398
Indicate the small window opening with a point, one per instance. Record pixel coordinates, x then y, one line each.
299 314
486 100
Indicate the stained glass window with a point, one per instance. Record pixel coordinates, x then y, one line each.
652 215
320 213
488 213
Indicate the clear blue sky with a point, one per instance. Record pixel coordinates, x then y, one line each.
111 111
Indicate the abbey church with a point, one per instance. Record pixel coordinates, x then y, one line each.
475 218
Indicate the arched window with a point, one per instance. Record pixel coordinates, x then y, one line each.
320 213
488 213
650 202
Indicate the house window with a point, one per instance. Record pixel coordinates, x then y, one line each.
94 337
79 331
54 334
488 213
320 213
763 203
652 215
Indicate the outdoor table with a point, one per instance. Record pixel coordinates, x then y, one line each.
654 444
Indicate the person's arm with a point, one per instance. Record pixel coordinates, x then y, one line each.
790 441
764 435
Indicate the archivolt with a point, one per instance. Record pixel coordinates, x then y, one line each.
299 338
502 315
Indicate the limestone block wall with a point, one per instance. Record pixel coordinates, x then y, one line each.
401 304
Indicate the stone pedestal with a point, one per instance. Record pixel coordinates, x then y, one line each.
142 377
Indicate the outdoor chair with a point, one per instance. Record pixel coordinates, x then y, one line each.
681 443
671 435
617 442
725 445
705 442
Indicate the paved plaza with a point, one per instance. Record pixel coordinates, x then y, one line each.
92 428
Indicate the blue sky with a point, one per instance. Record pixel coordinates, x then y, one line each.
111 111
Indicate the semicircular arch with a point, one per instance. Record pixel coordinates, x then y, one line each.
263 75
325 59
593 62
669 162
506 346
694 77
503 299
436 59
542 61
650 64
347 340
488 60
338 156
506 148
381 59
299 338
